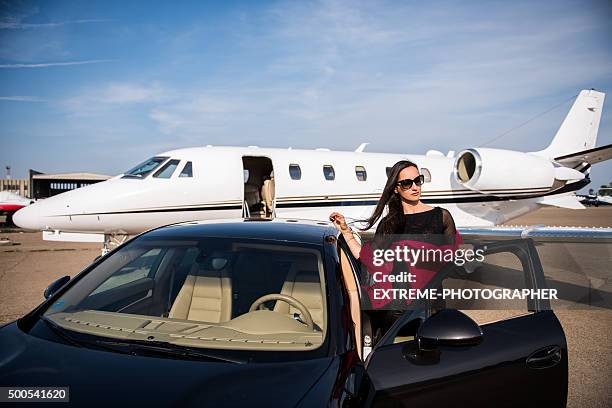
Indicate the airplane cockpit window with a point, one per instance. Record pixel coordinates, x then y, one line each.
168 169
361 173
144 168
295 172
187 170
328 172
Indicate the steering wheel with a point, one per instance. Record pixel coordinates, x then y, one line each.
285 298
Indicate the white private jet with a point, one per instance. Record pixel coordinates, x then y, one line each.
481 187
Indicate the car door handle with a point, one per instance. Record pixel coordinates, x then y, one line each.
545 358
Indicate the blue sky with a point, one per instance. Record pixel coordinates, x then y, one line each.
99 86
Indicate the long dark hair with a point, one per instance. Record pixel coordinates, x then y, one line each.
390 222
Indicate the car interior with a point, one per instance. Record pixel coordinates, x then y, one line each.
242 295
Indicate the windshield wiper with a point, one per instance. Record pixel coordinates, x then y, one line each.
139 347
66 335
61 332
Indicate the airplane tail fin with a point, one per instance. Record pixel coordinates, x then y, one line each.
578 132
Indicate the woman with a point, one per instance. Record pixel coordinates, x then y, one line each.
407 214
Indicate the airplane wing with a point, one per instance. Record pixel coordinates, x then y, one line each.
541 233
591 156
537 232
568 201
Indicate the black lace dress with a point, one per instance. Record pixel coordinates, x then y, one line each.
435 226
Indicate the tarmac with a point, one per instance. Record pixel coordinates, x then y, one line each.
28 265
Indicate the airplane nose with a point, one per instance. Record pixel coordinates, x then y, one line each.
28 218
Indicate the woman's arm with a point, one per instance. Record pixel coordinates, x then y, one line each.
353 244
450 231
340 224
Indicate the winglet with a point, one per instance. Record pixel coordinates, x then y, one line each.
361 147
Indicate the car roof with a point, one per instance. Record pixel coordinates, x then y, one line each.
278 229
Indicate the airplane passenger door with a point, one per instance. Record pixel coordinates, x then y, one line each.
449 359
259 187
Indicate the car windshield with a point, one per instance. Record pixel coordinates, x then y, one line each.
202 292
145 168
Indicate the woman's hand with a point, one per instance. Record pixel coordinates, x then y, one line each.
339 222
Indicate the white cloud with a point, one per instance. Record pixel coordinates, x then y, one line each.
192 112
112 96
120 93
168 122
448 75
53 64
17 24
22 98
335 71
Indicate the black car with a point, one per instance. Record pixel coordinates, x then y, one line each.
270 313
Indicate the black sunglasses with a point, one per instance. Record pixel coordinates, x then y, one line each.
407 183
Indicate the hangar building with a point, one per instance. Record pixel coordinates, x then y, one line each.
47 185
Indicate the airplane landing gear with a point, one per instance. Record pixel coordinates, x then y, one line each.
111 241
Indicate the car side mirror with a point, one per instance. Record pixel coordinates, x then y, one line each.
55 286
448 327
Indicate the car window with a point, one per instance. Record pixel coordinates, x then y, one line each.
139 268
487 280
231 293
497 272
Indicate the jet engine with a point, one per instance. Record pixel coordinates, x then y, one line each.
508 172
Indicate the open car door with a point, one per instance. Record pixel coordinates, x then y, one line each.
510 358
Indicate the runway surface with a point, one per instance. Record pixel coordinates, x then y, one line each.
28 265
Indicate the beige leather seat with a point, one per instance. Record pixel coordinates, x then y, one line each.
302 283
267 195
205 296
251 194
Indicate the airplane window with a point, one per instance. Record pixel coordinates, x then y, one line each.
187 170
426 173
167 170
144 168
328 172
361 173
295 172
